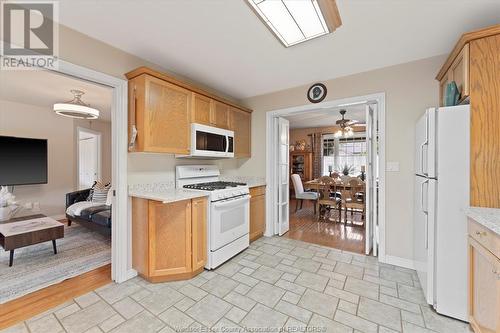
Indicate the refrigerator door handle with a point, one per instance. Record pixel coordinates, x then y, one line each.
422 157
422 196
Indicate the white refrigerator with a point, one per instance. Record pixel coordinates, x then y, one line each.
441 195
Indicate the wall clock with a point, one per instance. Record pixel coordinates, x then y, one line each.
316 93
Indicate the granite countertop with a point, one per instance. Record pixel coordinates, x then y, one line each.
162 192
249 180
487 217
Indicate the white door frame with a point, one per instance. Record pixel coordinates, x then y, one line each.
79 130
121 249
379 98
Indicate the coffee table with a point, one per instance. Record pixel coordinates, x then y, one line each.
29 230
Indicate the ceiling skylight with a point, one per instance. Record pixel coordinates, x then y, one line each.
297 21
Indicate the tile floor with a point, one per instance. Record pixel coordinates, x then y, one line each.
276 283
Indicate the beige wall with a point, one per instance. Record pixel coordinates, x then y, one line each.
25 120
410 88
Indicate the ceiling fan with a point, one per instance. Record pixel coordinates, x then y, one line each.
347 122
346 125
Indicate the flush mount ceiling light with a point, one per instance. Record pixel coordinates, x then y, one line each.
76 108
297 21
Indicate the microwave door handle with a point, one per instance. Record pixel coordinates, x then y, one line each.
227 144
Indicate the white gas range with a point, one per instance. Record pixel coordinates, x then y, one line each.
228 210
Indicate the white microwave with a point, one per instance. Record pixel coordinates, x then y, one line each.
211 142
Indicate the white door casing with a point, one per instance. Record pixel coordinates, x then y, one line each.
282 178
371 180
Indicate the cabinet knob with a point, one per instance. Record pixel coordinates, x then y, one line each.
481 233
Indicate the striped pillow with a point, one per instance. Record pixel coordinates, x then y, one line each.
100 192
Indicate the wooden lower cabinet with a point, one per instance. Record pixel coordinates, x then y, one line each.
484 285
169 239
257 212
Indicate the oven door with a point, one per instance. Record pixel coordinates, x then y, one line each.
229 220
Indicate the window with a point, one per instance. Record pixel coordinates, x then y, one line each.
339 152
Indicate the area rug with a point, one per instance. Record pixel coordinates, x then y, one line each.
36 267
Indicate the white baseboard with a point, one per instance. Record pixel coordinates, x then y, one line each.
398 261
58 217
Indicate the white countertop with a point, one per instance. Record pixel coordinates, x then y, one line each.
249 180
487 217
162 192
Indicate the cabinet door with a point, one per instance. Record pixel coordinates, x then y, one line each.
169 238
241 125
460 71
201 110
199 227
167 117
220 114
257 215
484 289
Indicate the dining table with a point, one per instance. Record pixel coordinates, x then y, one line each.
313 184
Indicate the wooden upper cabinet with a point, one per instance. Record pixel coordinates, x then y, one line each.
458 72
220 114
162 109
241 125
199 231
485 122
170 238
161 114
201 110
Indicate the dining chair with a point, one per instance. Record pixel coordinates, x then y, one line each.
301 195
351 198
326 186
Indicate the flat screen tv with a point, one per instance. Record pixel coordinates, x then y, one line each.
23 161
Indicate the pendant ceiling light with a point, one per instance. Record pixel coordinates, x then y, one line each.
76 108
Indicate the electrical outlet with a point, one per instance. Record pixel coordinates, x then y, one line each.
36 206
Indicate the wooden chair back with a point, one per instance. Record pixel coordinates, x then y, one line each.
324 187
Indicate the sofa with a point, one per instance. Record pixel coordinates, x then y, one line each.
97 218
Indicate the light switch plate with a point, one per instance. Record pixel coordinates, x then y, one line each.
392 167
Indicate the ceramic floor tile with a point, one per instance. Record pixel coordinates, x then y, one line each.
320 303
240 301
266 294
264 317
267 274
293 311
144 322
313 281
209 310
322 324
176 319
88 317
380 313
219 286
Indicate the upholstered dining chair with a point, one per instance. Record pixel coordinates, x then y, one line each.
351 198
326 189
301 195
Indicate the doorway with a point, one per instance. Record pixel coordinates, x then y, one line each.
89 157
359 155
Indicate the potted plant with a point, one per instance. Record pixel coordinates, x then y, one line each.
346 169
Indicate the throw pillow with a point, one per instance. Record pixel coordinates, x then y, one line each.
100 192
109 198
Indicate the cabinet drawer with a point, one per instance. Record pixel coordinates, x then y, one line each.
259 190
485 237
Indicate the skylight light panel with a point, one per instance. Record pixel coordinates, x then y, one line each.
296 21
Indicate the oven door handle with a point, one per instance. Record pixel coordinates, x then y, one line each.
230 202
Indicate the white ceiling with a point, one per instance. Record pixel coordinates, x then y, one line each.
326 117
44 88
222 43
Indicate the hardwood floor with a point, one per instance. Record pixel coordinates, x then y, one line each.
42 300
304 226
